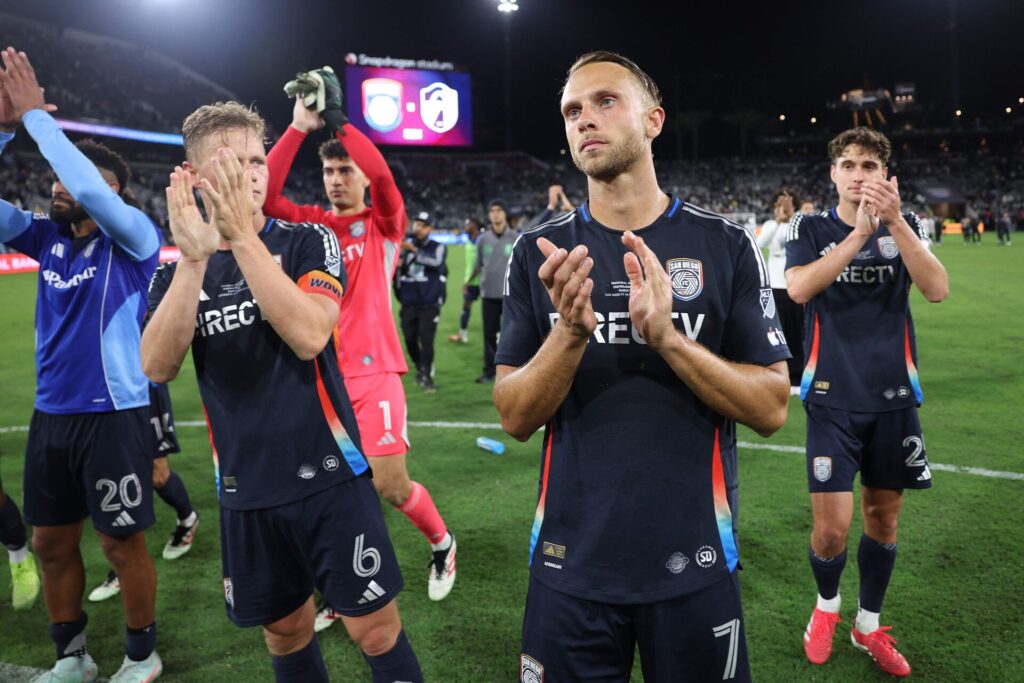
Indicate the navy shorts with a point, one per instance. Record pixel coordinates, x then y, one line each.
90 464
470 294
334 541
161 421
696 637
887 448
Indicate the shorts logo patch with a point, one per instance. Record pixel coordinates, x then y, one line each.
706 556
554 550
229 592
677 563
889 394
823 468
530 670
687 276
768 303
903 392
306 472
331 463
887 245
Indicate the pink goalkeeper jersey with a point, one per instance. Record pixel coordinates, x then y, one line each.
368 341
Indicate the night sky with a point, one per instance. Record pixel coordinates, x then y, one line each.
776 58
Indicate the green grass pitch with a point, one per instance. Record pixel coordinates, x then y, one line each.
955 600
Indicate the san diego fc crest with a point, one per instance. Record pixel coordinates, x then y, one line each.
687 275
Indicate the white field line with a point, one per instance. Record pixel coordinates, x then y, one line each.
958 469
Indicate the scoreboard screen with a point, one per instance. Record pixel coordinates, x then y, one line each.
410 106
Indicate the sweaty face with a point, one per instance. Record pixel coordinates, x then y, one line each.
248 149
604 112
854 167
345 183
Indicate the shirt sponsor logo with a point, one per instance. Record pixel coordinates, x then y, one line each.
706 556
615 327
331 463
867 275
767 303
306 472
530 670
228 318
554 550
822 468
677 563
887 245
687 275
57 282
775 336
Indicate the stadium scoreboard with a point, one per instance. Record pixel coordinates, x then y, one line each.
410 106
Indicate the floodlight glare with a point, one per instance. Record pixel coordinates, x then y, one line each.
508 6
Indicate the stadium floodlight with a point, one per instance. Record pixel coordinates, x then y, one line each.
814 119
1020 100
508 6
1008 110
782 117
959 112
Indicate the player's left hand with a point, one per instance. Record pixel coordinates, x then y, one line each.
650 292
21 86
885 196
232 201
304 118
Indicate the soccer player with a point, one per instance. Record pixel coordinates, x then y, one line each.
24 573
369 352
773 236
471 285
852 268
422 278
87 453
493 250
638 331
257 300
167 484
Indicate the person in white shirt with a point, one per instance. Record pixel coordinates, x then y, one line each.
773 236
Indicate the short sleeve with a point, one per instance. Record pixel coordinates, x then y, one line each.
520 337
920 229
800 248
753 332
316 265
158 286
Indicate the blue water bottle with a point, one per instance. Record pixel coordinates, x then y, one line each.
491 445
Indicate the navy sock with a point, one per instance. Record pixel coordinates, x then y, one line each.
139 643
397 664
12 529
876 561
827 571
69 636
174 494
304 666
464 319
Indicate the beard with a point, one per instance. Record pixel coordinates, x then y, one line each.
67 214
615 162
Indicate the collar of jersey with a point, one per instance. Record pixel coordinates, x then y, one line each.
270 224
673 208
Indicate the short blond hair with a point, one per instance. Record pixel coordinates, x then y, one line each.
218 117
648 88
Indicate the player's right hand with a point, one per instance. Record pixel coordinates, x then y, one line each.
867 218
304 118
565 276
196 238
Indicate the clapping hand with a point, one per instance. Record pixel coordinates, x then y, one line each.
196 238
232 200
650 292
565 275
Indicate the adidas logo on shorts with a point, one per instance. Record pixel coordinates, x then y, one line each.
123 519
387 439
372 592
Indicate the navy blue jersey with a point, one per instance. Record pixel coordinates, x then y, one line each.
422 278
281 428
634 489
859 343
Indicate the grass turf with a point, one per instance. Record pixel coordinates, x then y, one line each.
955 599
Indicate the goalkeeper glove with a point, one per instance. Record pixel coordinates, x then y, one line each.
320 90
